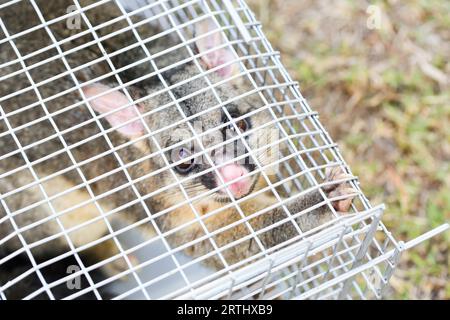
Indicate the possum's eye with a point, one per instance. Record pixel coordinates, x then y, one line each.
187 166
242 125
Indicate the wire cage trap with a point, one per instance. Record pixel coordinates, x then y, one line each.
160 150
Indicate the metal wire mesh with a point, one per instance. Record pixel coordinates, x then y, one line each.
79 176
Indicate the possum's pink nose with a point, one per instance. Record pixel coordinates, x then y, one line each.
232 172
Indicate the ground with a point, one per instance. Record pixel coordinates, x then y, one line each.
382 89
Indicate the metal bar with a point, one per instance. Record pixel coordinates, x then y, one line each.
237 20
358 260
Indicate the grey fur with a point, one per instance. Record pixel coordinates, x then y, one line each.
200 102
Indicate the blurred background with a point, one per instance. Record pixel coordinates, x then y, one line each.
378 74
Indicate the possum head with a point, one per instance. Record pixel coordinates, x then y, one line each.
205 131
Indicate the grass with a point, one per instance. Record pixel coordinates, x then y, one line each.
383 94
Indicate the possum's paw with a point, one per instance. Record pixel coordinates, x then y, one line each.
107 249
342 190
120 265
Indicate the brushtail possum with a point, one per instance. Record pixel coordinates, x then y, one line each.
151 137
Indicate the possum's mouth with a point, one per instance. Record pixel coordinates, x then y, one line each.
222 197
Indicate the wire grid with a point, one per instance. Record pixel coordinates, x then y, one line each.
350 256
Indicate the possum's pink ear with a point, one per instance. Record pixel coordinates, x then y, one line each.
108 102
218 56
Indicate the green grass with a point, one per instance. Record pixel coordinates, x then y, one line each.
382 97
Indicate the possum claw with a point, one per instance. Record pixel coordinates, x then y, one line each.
343 205
341 189
333 174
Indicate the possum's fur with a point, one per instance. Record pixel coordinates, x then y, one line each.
14 19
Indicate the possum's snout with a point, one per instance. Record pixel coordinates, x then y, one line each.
242 183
